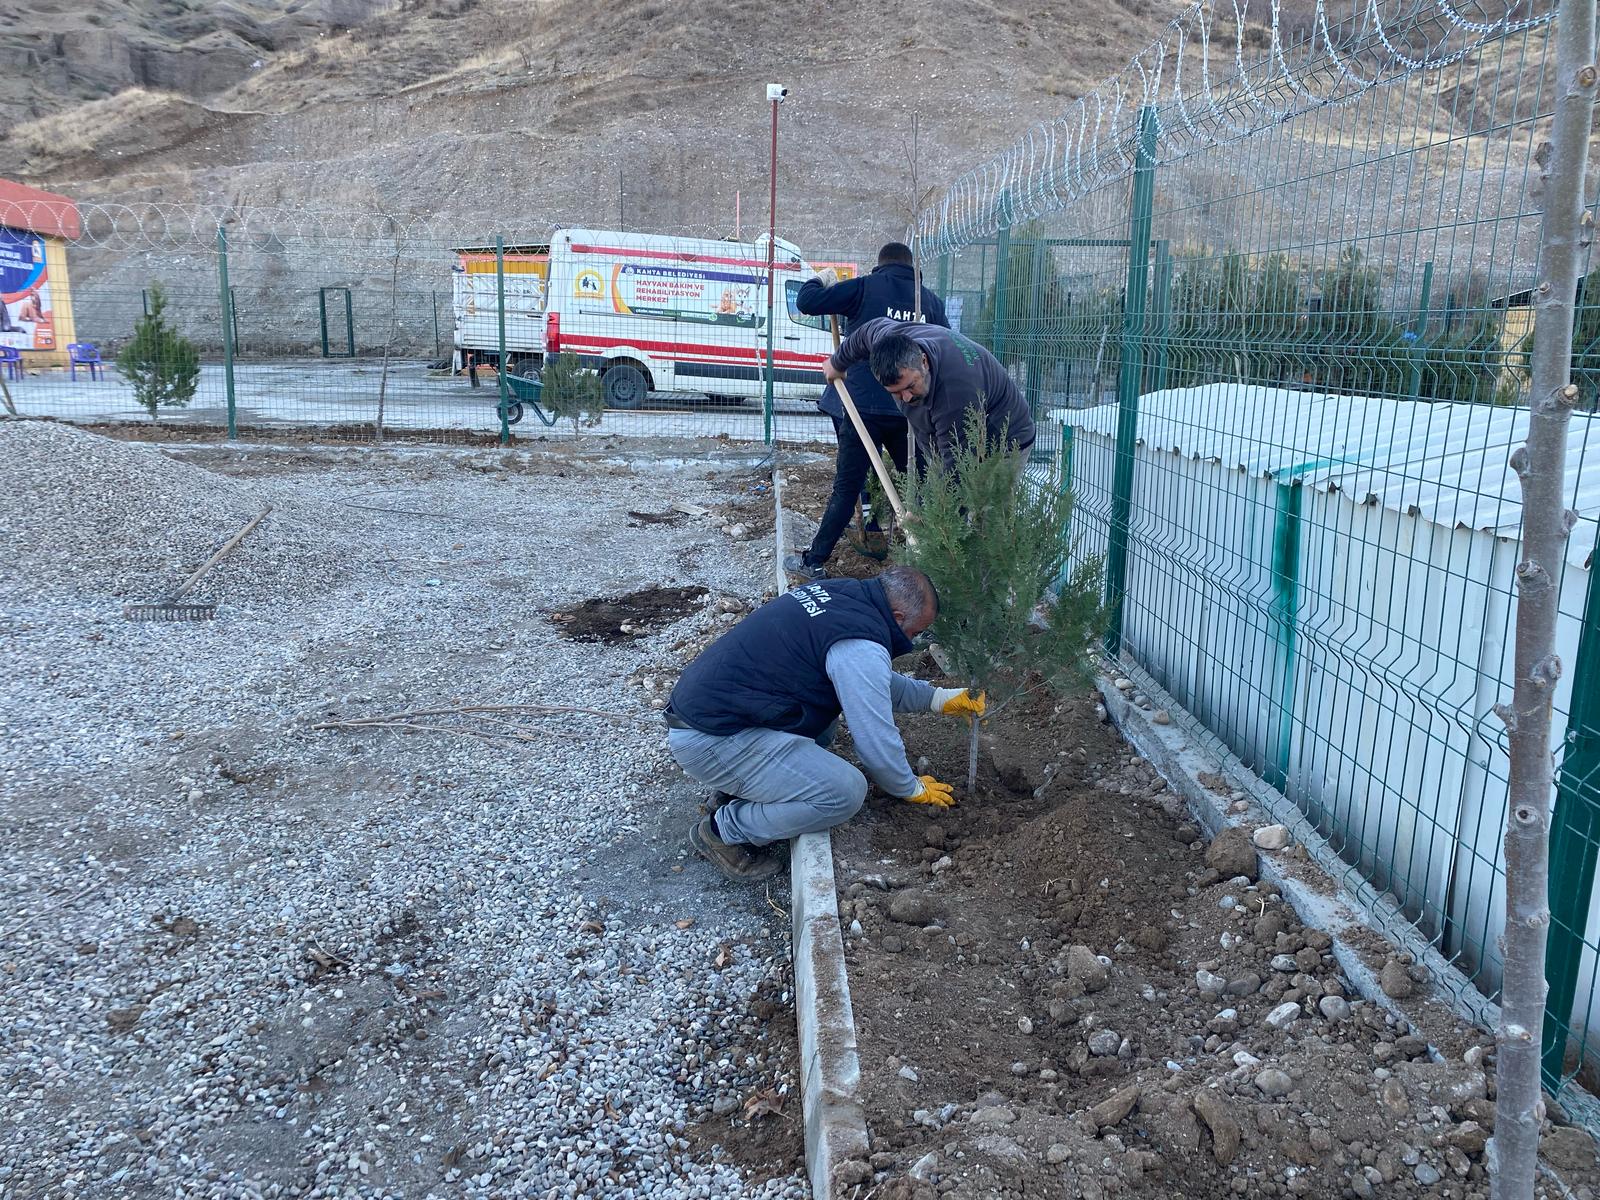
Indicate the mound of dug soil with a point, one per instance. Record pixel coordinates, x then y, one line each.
1056 996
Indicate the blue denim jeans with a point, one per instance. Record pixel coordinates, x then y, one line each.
785 784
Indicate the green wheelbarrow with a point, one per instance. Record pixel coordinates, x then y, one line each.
523 389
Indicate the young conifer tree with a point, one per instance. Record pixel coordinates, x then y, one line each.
160 363
1017 613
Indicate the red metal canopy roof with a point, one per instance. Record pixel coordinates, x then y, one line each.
24 207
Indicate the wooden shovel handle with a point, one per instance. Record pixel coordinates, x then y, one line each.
868 442
227 549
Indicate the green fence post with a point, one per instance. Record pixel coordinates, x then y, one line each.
1574 841
1140 218
1161 324
433 295
322 312
1418 351
1285 609
944 275
500 312
1002 262
1030 330
227 328
349 323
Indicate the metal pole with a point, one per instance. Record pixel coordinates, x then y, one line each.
322 311
1035 317
1133 311
500 313
1162 325
772 250
1414 384
349 324
1002 264
227 328
438 349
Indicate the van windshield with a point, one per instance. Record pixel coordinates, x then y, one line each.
791 291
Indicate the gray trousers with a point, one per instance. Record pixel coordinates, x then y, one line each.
786 784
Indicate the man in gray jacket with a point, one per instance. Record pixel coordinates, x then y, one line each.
935 376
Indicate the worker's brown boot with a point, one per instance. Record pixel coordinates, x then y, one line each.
734 860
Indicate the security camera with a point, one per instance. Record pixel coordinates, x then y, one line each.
776 91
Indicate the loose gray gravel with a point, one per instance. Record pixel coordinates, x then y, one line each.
240 957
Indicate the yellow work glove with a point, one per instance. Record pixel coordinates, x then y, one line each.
932 793
957 702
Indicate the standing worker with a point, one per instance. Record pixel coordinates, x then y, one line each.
935 376
889 291
754 714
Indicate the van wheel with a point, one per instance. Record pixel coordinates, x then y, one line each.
625 386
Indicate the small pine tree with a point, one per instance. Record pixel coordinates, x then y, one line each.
572 390
162 365
1014 613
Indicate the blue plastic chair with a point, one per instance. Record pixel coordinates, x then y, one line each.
83 354
11 358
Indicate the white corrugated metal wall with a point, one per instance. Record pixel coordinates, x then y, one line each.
1359 674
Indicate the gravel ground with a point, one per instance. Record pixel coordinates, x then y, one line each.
244 957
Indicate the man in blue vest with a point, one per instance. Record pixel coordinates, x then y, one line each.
754 714
890 290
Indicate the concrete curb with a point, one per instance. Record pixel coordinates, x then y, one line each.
830 1069
1344 906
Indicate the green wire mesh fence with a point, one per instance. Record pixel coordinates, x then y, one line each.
1269 294
367 327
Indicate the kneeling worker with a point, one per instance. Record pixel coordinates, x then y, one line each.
753 714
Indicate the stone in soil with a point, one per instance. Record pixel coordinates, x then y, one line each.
1231 854
1395 980
1215 1111
914 908
1087 969
1272 837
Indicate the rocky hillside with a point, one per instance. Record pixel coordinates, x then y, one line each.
651 113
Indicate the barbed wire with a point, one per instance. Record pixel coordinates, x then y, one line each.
168 227
1204 92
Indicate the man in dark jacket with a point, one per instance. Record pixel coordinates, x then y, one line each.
754 714
889 291
935 376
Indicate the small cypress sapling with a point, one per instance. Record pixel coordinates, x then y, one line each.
572 390
160 363
1015 613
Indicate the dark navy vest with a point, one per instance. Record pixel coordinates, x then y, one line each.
770 670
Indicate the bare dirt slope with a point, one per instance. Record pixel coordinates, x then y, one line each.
540 111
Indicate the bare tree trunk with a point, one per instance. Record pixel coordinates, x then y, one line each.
1546 524
394 322
972 759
